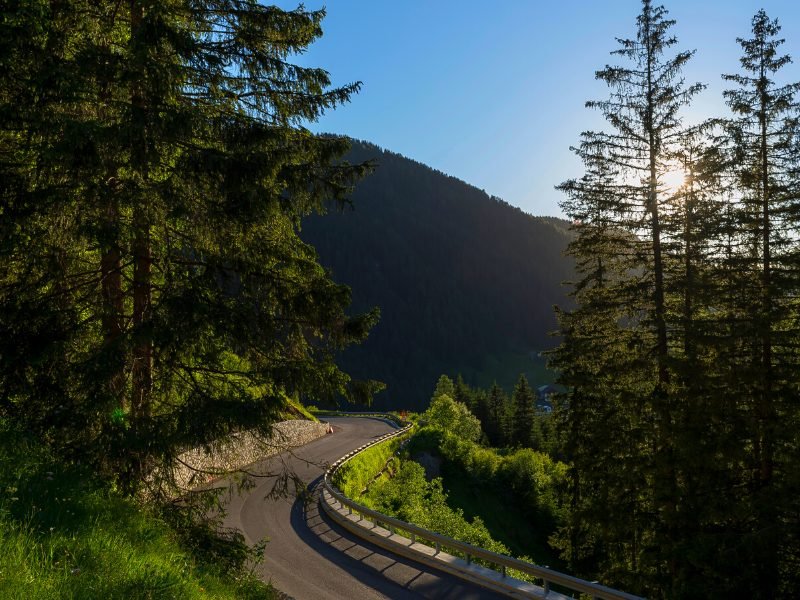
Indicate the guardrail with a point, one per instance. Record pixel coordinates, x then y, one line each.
383 531
341 413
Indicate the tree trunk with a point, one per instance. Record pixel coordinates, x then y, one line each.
142 354
113 298
766 407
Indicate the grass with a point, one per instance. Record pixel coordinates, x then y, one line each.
354 475
296 410
65 535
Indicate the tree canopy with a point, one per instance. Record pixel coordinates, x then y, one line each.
154 293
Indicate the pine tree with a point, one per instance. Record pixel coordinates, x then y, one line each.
708 423
481 406
522 420
763 138
155 293
619 344
463 393
497 421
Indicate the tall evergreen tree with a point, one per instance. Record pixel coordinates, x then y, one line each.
619 346
155 294
679 352
522 419
497 419
463 394
764 136
481 406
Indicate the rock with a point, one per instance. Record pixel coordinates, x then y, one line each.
432 464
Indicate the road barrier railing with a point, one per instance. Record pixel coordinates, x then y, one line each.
393 418
430 548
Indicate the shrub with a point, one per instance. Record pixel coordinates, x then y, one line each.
409 497
446 414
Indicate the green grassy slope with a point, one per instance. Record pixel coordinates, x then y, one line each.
64 535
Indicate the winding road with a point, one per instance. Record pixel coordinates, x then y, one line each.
309 557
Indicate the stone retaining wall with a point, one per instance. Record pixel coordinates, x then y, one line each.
199 466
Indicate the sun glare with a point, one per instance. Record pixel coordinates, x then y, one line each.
672 180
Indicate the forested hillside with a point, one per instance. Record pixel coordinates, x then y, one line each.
465 282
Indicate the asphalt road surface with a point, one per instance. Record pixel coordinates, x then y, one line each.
308 556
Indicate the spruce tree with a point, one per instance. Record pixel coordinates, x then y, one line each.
481 406
619 343
463 394
681 416
522 419
155 292
497 421
763 140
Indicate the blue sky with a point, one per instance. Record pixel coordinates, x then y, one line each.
493 92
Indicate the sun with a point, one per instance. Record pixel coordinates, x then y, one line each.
672 180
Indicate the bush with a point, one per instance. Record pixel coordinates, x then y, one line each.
535 481
446 414
409 497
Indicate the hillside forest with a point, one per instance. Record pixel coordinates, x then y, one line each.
450 269
182 259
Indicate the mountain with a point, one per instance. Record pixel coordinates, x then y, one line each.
465 282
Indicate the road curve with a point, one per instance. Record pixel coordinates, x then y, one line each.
311 558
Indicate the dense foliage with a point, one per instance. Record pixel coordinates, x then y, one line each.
465 282
154 294
409 496
529 484
681 356
525 479
444 413
521 420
